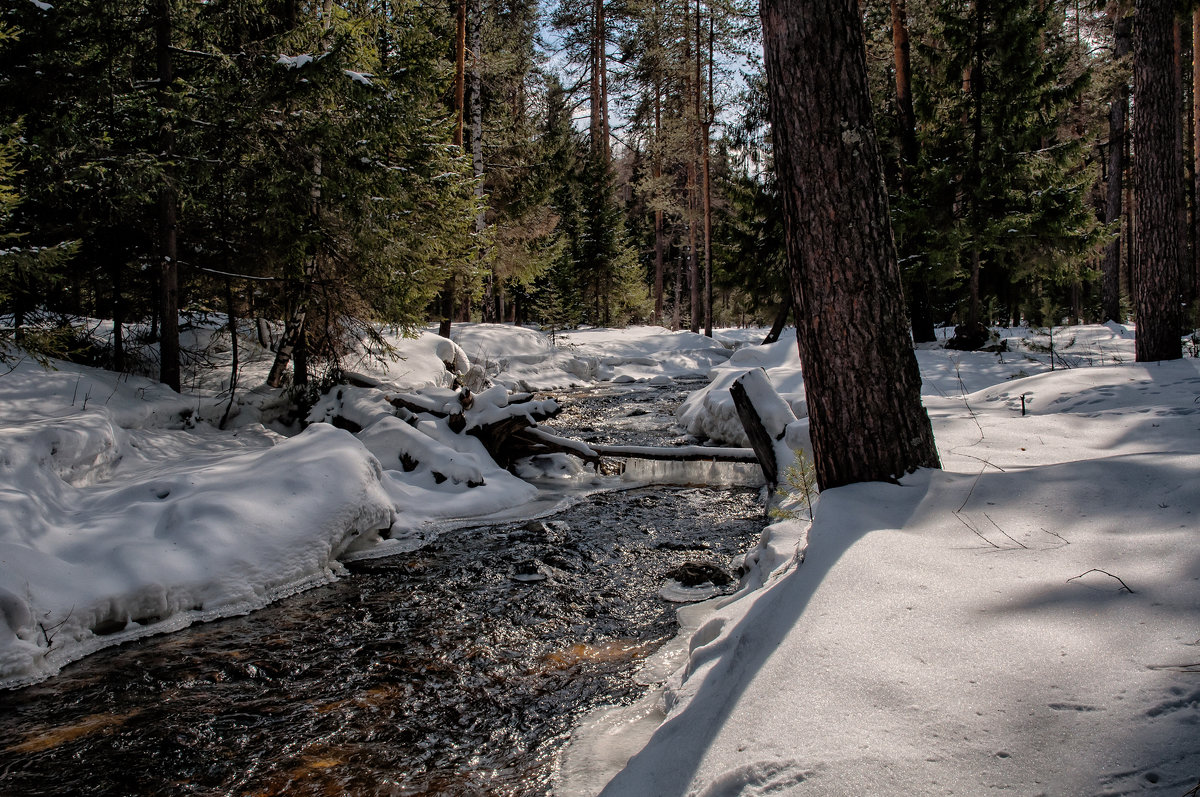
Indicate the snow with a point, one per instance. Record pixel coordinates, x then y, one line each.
294 61
1025 619
526 360
970 630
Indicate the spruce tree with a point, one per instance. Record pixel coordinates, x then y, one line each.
1001 193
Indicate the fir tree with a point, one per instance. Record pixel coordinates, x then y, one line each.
1001 191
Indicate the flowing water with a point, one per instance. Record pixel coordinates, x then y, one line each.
456 669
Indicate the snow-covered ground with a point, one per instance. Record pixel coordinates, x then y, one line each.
126 511
1027 619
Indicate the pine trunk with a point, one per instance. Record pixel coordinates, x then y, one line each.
920 313
460 82
1195 154
975 167
1110 270
693 261
602 37
678 294
693 92
168 343
706 145
861 376
907 117
1155 186
658 213
1181 113
460 72
475 40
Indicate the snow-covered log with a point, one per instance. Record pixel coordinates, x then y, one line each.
679 453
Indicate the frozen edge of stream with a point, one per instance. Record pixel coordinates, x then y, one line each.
602 743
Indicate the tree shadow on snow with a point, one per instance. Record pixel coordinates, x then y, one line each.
669 764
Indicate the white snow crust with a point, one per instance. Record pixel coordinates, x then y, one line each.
971 630
1025 620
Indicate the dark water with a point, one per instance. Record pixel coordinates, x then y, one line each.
436 672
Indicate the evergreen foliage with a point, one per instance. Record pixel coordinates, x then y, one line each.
1002 186
319 189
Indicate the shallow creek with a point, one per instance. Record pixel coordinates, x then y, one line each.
442 671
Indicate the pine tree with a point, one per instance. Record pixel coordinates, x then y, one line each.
860 373
1156 177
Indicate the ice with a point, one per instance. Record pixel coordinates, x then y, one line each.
721 474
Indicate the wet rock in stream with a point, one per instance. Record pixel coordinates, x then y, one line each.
693 574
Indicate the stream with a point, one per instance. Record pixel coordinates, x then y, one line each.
456 669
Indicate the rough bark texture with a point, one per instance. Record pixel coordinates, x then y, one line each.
705 146
920 313
460 81
168 342
861 378
1195 154
1110 270
974 84
1156 183
658 213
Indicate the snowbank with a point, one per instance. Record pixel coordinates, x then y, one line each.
124 512
86 562
525 360
1026 619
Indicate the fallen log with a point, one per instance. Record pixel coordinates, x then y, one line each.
679 453
541 441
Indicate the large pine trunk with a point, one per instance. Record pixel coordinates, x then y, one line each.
1110 270
658 213
861 378
1195 155
1157 173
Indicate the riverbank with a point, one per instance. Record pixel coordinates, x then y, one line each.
1025 620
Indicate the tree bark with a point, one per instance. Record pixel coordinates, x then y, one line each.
779 323
1156 178
920 313
1110 270
475 34
168 343
605 132
460 71
706 145
678 294
693 93
599 83
1195 154
861 378
460 82
904 105
975 167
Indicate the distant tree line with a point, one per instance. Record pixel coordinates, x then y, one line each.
330 168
